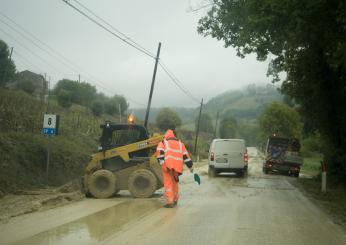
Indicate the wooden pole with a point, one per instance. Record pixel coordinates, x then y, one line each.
197 130
152 87
216 122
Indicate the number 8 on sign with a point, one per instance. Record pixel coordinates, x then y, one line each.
50 124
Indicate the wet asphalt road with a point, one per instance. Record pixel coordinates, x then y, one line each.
257 209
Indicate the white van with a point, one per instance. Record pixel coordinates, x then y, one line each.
227 155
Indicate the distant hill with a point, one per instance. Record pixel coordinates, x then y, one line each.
186 114
243 104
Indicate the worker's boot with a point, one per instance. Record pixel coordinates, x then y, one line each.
168 205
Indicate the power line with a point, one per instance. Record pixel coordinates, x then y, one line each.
108 30
126 39
38 40
26 60
176 81
71 66
31 52
113 28
36 45
58 56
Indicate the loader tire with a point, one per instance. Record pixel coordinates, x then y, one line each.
102 184
142 183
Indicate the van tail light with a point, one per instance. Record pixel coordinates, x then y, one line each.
212 156
246 157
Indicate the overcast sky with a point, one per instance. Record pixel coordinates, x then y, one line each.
202 64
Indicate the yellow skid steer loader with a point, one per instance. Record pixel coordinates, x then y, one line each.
126 161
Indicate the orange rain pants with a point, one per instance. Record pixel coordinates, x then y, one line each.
170 184
171 153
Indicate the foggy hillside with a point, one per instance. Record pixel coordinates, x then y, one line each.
245 104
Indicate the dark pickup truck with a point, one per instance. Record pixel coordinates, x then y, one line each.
282 155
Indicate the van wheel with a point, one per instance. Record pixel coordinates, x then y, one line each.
211 172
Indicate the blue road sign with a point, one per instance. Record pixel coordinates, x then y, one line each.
49 131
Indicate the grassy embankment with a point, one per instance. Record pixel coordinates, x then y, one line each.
312 164
334 201
23 148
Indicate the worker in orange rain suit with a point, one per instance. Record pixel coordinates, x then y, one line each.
171 153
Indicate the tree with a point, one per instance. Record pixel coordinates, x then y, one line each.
7 67
80 93
250 133
97 108
281 120
64 98
27 86
307 40
124 105
228 127
85 94
167 119
206 124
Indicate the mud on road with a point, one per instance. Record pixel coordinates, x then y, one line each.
256 209
28 201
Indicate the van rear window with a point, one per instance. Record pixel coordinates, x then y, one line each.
227 145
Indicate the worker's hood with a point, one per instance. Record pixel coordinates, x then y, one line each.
169 134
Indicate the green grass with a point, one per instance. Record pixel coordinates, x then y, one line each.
23 160
23 147
312 163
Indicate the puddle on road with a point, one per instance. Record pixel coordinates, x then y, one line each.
254 182
97 227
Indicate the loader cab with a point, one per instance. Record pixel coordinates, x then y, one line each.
116 135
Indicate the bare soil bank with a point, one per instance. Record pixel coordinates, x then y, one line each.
28 201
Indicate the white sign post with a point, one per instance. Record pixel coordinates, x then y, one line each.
49 124
324 177
50 128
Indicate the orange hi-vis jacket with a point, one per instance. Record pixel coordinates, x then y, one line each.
173 153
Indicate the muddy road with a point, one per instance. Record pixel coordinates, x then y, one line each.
256 209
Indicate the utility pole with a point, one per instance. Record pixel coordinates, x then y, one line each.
119 112
48 92
197 130
49 137
152 86
45 88
78 78
216 122
43 92
11 53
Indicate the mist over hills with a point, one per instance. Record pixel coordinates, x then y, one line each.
186 114
244 104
